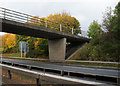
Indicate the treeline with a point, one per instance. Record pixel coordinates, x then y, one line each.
105 39
37 46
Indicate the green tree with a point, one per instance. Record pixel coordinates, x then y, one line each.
94 29
113 35
31 44
115 30
104 46
42 46
115 21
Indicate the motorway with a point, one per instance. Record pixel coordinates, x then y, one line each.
85 70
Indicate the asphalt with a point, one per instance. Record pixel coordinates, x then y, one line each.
91 71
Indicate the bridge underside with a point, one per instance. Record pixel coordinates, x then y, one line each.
56 40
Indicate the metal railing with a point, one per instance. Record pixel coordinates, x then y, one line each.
35 20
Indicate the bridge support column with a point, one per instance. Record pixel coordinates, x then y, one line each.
57 50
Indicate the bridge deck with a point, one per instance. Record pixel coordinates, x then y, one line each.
37 31
24 24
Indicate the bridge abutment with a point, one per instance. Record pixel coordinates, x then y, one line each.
57 50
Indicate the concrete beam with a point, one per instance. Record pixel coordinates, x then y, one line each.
57 50
37 31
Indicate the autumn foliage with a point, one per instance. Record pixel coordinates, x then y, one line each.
8 41
53 22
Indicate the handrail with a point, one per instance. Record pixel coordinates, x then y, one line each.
18 17
16 11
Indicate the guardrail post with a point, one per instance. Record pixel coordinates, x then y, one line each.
38 82
29 67
46 23
44 70
21 50
62 73
1 60
72 30
60 27
118 81
68 73
12 64
9 74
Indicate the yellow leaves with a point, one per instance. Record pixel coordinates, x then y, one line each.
54 21
50 16
9 40
56 28
37 41
35 20
64 19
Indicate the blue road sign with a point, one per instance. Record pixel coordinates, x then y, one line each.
24 46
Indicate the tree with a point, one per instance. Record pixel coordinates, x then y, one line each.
42 46
115 30
94 29
67 22
77 27
34 20
111 22
54 21
115 22
8 42
106 19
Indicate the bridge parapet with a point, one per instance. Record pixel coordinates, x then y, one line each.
36 21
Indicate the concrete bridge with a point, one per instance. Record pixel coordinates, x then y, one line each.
15 22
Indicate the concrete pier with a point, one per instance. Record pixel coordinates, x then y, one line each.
57 50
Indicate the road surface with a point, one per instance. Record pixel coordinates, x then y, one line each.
85 70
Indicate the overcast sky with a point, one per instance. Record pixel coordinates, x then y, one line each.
84 10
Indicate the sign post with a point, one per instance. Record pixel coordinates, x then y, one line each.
23 48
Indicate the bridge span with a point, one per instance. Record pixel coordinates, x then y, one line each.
18 23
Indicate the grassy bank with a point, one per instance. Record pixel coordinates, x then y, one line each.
12 54
19 55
